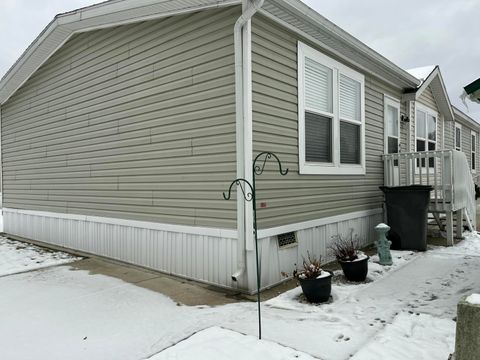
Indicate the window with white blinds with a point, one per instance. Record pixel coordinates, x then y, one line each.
331 115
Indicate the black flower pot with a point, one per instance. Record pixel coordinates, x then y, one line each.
355 270
317 290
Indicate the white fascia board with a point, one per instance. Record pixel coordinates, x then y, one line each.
426 83
441 103
319 20
94 17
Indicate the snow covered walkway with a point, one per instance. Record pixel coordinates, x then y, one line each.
405 312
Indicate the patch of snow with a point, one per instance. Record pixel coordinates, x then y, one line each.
421 73
411 336
361 256
219 343
323 274
473 299
402 310
469 246
17 256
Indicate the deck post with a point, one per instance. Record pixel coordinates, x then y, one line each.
449 227
459 224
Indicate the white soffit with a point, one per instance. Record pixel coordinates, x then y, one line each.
332 38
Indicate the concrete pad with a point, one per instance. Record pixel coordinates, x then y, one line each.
182 291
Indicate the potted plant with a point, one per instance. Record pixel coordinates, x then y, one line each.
354 262
316 283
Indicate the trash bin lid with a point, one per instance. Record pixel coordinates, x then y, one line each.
408 188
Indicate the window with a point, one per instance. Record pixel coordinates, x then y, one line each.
331 115
458 137
392 125
473 158
426 133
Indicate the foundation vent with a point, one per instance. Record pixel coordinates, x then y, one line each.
287 240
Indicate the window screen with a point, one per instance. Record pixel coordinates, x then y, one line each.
349 143
318 138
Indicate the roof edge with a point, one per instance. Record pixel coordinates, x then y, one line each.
352 41
465 117
62 20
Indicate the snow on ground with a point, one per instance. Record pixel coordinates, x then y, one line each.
18 256
473 299
218 343
411 336
405 310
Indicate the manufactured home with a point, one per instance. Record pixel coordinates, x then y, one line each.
124 122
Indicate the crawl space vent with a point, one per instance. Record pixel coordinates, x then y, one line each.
287 239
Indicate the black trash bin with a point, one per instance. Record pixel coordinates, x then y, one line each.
407 212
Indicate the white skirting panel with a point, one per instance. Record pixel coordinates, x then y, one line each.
315 240
196 254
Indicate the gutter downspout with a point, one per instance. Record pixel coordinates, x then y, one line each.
243 109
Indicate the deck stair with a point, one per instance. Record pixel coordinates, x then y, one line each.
448 172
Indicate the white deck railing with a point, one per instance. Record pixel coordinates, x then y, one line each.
447 171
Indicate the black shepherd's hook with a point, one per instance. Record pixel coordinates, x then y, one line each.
250 195
268 155
247 195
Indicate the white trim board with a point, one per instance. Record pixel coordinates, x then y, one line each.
196 230
225 233
317 222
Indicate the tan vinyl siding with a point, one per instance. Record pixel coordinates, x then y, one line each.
427 99
466 139
136 121
296 198
449 134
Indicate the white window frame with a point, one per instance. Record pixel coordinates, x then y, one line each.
393 102
457 126
427 111
473 164
335 167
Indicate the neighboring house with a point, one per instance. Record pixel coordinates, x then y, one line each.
124 122
472 91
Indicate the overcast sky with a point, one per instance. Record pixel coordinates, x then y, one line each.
411 33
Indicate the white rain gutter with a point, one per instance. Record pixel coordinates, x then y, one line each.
243 111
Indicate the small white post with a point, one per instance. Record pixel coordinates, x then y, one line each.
449 227
459 224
